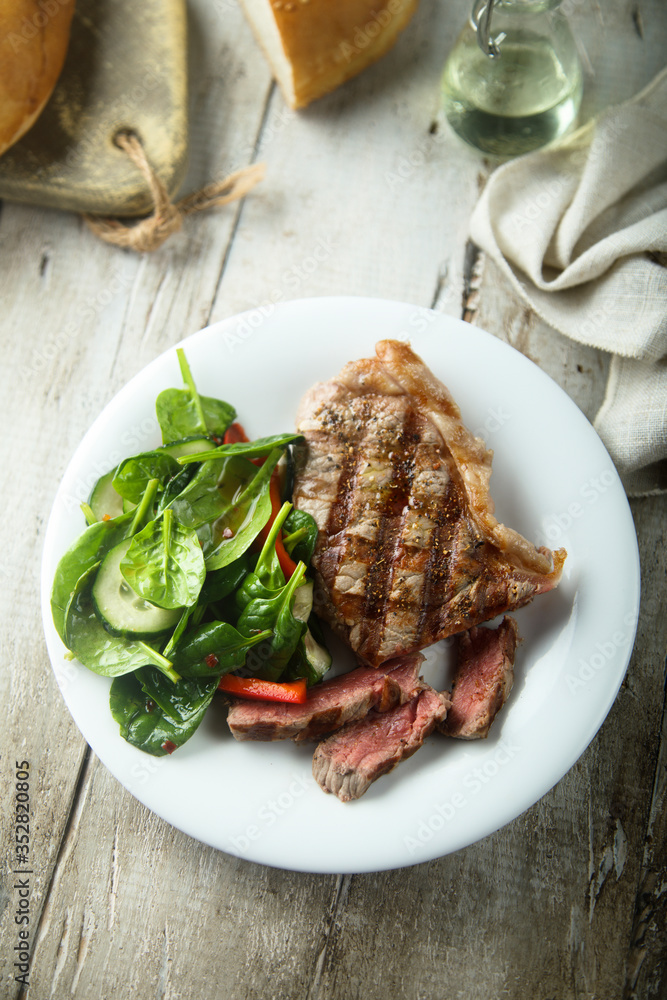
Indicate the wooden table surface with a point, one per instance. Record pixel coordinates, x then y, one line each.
569 900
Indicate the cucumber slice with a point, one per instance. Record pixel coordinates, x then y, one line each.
303 601
120 609
318 656
98 650
188 446
313 656
103 500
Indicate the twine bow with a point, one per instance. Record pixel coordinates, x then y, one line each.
167 217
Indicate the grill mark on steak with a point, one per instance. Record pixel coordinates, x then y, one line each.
391 516
340 508
441 558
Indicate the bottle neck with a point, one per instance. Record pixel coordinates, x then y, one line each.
486 14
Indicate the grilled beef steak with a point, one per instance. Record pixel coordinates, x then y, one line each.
330 704
483 679
350 760
409 549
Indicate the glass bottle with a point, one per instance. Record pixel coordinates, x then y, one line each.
513 80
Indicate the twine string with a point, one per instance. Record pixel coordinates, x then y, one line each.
166 217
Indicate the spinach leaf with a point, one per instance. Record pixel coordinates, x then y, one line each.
179 416
97 649
243 449
217 640
301 547
143 510
175 487
212 490
267 568
267 577
133 474
183 412
165 564
220 583
181 626
87 550
252 588
271 657
238 526
155 715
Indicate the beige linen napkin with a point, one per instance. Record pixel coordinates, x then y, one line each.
581 231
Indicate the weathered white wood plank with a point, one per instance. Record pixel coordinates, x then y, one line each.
365 193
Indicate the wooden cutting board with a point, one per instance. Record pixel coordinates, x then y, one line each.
125 69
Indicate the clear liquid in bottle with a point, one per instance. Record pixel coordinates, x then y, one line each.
524 98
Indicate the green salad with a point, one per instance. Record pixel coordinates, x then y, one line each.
192 574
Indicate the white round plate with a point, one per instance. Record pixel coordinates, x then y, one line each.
553 481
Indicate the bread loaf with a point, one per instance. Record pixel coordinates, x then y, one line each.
315 45
34 35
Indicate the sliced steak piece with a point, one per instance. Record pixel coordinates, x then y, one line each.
350 760
330 704
483 679
409 550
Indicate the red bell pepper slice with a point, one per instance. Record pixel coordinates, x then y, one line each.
293 692
234 434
